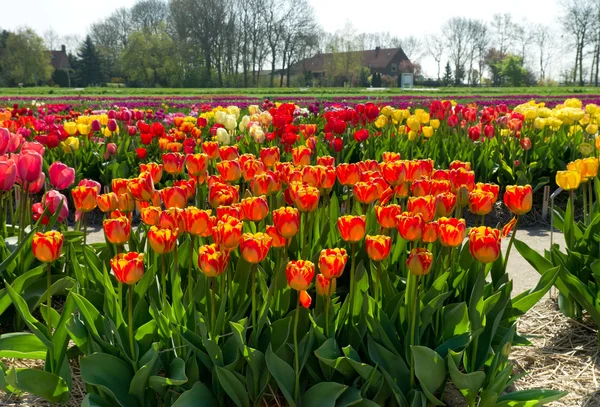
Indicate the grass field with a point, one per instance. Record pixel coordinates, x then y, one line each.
311 92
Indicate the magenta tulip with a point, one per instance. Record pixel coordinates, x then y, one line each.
14 142
53 201
112 125
37 185
96 125
33 146
29 166
8 175
61 175
4 139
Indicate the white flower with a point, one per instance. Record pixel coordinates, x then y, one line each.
258 135
244 123
220 117
223 136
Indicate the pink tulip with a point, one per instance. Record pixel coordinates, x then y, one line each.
90 183
111 148
61 175
53 201
96 125
8 175
14 142
29 166
37 186
4 139
132 130
33 146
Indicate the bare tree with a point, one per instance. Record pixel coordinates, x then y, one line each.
577 20
504 30
51 39
435 47
456 31
147 15
542 37
413 48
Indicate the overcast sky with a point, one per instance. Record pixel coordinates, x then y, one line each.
400 18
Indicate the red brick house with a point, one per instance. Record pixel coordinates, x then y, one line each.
60 59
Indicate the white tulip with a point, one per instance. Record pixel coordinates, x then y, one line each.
223 136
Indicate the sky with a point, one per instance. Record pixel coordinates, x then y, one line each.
400 18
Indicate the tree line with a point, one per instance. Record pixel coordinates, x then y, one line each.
248 43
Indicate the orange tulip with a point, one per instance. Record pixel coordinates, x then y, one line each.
84 198
313 175
228 153
492 188
230 171
126 203
252 168
518 199
439 187
108 202
410 226
445 203
484 244
286 221
173 162
387 216
212 261
329 180
277 240
196 164
423 205
46 247
196 220
299 274
172 219
388 156
162 240
419 261
117 230
421 187
332 262
301 156
462 178
255 208
222 194
451 231
326 161
352 228
234 211
347 173
255 247
441 175
211 149
142 187
480 202
401 191
307 198
270 155
155 170
174 197
460 164
430 232
228 233
394 172
128 268
324 286
119 186
150 215
365 193
378 247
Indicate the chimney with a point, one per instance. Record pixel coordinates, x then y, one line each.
63 48
377 49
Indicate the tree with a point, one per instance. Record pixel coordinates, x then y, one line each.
147 15
413 47
89 66
24 59
457 33
493 59
543 40
577 19
363 79
504 30
51 39
447 79
512 69
435 46
376 80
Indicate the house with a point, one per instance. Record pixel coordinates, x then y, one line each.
386 61
60 59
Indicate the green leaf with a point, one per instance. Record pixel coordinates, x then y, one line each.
391 363
111 374
94 400
198 395
39 382
176 374
22 345
283 374
524 301
582 294
323 394
430 369
19 284
455 320
529 398
538 262
34 325
233 387
139 382
26 242
468 384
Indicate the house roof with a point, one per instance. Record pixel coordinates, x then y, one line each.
373 58
60 60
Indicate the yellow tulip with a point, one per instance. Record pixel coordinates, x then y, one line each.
413 123
397 115
568 180
71 144
435 123
573 103
591 129
381 121
83 129
387 111
539 123
427 131
106 132
591 108
70 128
412 135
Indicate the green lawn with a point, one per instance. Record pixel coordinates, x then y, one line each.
316 92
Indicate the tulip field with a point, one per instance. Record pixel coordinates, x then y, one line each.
286 254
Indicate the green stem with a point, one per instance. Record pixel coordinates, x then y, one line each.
190 277
11 210
213 306
130 320
414 281
482 220
591 199
163 281
120 296
222 294
83 217
584 204
297 363
48 307
254 298
377 277
301 235
512 240
278 275
327 305
352 268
